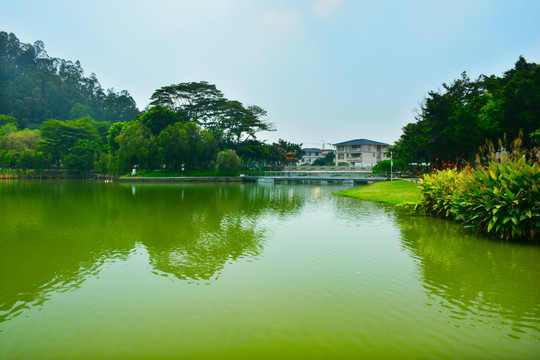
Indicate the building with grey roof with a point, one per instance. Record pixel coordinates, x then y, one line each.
360 152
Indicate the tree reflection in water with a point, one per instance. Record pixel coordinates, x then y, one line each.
475 275
56 234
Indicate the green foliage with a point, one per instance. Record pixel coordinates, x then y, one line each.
79 111
7 129
4 119
296 149
452 124
327 160
158 118
185 145
82 156
384 166
438 190
113 132
502 199
196 101
21 140
59 136
228 162
136 147
35 87
30 159
535 137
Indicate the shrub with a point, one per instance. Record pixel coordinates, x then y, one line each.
438 190
228 162
502 199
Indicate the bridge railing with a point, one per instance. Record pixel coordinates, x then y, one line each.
321 174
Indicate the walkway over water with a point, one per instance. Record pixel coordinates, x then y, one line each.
341 177
334 176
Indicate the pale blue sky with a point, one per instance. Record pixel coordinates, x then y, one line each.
330 70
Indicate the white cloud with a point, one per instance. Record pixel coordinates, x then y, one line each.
325 8
280 23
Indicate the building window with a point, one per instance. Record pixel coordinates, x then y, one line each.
365 147
340 156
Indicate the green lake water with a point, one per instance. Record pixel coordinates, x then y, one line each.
245 271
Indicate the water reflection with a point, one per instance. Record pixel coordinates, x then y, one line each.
475 277
56 234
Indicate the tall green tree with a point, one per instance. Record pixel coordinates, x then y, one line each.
59 136
198 102
137 146
454 123
82 156
157 118
35 87
239 124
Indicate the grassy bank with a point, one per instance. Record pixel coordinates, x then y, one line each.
390 192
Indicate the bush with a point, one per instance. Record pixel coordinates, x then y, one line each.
228 162
502 198
438 190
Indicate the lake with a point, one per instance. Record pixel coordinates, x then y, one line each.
105 270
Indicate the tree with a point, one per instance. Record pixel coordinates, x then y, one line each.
170 147
514 101
35 87
78 111
136 147
327 160
158 118
21 140
195 101
59 136
241 124
4 119
453 124
296 149
385 166
82 156
228 162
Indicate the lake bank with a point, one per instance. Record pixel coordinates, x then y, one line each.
390 192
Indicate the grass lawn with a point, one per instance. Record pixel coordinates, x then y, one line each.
391 192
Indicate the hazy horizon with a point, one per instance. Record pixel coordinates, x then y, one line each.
326 70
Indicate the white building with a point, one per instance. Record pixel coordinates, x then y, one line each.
361 152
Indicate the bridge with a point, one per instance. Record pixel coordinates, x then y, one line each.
345 177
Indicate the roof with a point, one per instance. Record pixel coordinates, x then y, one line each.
316 149
361 142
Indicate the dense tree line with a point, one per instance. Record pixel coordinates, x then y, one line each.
452 124
35 87
53 117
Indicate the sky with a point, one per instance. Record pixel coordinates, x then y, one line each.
326 71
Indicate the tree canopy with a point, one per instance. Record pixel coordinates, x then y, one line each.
452 124
35 87
52 115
